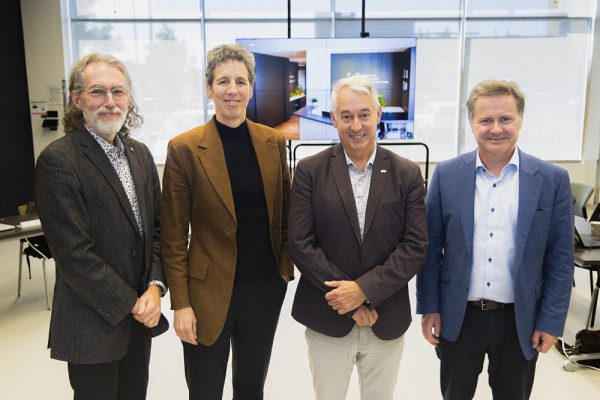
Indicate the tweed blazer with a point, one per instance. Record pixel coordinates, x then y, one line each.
325 241
197 193
102 263
543 259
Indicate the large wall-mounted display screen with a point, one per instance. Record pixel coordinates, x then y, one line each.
294 78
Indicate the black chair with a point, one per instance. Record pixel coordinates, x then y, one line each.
36 247
581 194
594 302
596 214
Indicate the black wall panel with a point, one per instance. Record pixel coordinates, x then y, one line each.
16 141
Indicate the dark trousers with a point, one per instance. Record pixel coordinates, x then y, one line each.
250 327
125 379
486 332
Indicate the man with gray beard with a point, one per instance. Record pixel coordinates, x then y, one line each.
98 198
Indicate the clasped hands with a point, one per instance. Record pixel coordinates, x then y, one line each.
147 307
347 296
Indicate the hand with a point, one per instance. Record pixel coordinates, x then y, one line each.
185 325
431 326
346 296
147 307
542 341
365 317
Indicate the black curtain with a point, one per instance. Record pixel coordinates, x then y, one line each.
16 142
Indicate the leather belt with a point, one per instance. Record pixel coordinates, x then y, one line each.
490 305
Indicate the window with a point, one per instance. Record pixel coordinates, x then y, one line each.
538 55
164 44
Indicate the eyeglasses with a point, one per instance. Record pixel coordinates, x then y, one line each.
100 92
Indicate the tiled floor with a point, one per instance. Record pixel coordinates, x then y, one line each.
27 372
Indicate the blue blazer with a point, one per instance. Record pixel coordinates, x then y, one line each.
544 248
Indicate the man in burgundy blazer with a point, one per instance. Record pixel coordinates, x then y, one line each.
356 261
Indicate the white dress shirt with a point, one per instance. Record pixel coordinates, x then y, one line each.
495 224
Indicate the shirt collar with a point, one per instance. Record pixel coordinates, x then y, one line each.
370 161
107 147
514 160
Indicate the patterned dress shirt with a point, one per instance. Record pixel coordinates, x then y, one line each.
118 159
361 183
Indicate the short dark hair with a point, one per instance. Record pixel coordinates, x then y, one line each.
229 52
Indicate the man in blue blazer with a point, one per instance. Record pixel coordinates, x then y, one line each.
499 267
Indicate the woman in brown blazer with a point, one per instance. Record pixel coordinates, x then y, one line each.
228 180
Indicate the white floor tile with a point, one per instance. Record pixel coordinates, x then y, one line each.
27 372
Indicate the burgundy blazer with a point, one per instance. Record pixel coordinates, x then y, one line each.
325 243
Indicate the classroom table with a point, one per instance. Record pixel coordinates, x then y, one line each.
590 260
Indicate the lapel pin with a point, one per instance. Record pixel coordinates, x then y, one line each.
383 171
131 148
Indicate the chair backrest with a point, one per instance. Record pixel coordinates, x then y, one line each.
596 214
582 193
38 247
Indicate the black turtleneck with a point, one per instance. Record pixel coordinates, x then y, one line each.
255 258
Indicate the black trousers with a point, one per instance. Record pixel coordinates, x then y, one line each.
250 329
125 379
486 332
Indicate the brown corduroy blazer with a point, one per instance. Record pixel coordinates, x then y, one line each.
197 193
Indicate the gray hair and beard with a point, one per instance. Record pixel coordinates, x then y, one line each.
94 121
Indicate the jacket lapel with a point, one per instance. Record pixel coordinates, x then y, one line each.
530 184
96 155
379 177
137 174
267 154
466 198
339 170
212 158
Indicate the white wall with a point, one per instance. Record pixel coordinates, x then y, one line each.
42 32
587 171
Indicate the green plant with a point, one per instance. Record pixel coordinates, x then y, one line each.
315 100
297 91
382 102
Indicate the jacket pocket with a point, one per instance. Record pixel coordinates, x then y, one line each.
198 270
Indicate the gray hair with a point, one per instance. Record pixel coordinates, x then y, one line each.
73 118
357 83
